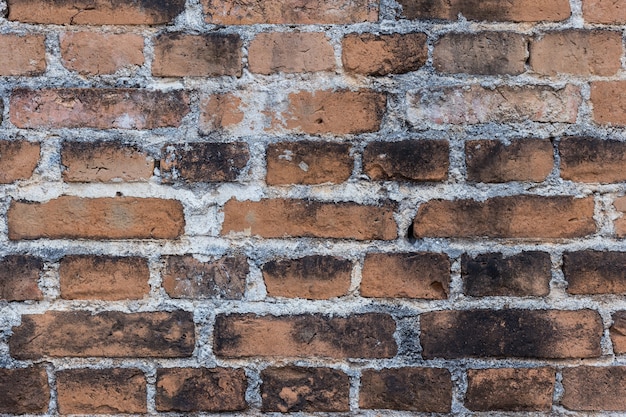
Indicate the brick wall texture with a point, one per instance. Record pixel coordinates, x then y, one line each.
355 207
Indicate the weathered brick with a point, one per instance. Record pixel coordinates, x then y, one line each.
618 332
305 336
522 216
609 102
302 218
590 388
287 52
220 111
370 54
100 108
408 389
486 53
201 389
233 12
314 277
19 277
24 391
22 55
407 160
18 159
101 391
586 159
95 12
510 389
604 11
492 10
545 334
620 223
87 277
578 52
204 162
526 274
111 334
591 272
208 55
502 104
104 162
186 277
308 162
521 160
298 389
69 217
410 275
91 53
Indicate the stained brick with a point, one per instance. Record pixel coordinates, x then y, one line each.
18 159
22 55
19 277
591 272
594 388
286 52
586 159
620 223
219 112
24 391
618 332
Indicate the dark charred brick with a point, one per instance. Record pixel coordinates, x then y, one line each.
590 388
407 389
19 275
24 391
186 277
204 162
357 336
294 389
313 277
509 389
546 334
586 159
618 332
110 334
201 389
409 160
590 272
522 275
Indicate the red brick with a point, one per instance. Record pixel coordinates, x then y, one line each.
608 12
298 389
609 102
487 53
409 275
586 159
22 55
90 53
101 391
502 104
204 162
88 277
220 111
521 160
302 218
590 388
100 108
618 332
231 12
70 217
590 272
105 162
201 389
620 223
110 334
308 162
287 52
305 336
510 389
545 334
209 55
18 160
314 277
408 389
19 277
24 391
95 12
522 216
370 54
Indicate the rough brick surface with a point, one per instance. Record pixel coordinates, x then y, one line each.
290 53
594 388
85 277
604 11
296 218
510 389
70 217
314 277
591 272
308 162
22 55
101 391
201 389
618 332
108 334
19 277
587 159
371 54
220 111
304 336
204 162
527 274
521 160
407 389
24 391
294 389
18 160
620 223
489 53
609 102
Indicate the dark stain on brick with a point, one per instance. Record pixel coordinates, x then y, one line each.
592 272
204 162
24 391
19 275
308 268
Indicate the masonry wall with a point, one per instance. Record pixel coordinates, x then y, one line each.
331 206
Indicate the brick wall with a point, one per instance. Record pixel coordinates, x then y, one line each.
348 206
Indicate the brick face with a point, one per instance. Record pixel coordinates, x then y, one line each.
594 389
24 391
271 53
609 104
604 11
18 160
591 272
22 55
19 277
618 332
587 159
203 162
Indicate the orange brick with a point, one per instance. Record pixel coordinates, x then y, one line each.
586 159
290 53
220 111
620 223
18 160
22 55
19 278
609 102
608 12
618 332
590 388
591 272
